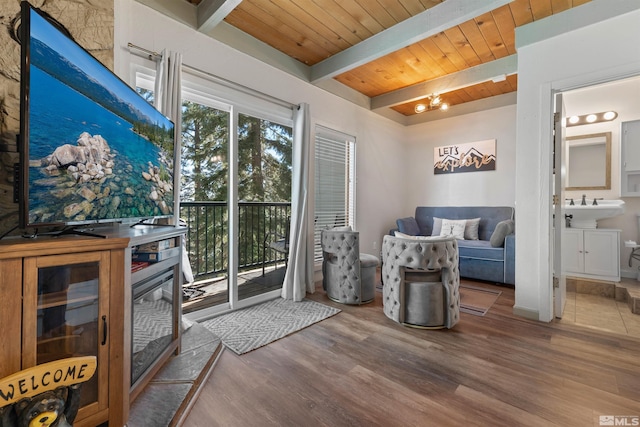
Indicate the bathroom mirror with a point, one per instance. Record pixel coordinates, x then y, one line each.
589 162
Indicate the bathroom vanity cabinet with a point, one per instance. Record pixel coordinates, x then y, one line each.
591 253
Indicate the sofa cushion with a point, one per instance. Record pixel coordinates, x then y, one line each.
408 226
503 229
470 229
480 249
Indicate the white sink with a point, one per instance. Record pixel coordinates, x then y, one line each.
587 216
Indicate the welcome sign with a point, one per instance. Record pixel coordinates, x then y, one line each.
469 157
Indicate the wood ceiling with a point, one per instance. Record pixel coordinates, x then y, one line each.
395 52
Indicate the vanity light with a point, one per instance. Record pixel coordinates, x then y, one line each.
588 119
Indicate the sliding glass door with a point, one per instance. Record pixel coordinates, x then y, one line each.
264 203
235 192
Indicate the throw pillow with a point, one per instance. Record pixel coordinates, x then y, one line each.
408 225
470 230
502 230
453 228
437 226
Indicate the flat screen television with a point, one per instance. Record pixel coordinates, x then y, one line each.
92 150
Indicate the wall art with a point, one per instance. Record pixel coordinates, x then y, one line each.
469 157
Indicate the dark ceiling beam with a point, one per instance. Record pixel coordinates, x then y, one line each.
419 27
212 12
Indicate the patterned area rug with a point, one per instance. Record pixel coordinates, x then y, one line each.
477 301
253 327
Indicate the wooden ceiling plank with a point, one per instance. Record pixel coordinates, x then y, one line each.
477 41
470 76
422 63
325 19
513 81
363 16
521 11
240 19
362 80
345 18
450 51
299 21
274 23
489 29
463 46
332 41
212 12
580 2
458 97
395 9
558 6
541 9
412 7
494 88
430 3
416 28
379 12
390 74
506 27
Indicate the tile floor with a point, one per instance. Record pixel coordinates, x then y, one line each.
601 312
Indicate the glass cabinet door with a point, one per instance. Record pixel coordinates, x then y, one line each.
66 308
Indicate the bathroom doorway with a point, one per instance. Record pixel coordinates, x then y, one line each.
623 97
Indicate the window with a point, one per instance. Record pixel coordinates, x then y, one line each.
334 182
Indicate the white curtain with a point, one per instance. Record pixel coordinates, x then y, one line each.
298 279
168 100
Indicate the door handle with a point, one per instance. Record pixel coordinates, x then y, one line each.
104 330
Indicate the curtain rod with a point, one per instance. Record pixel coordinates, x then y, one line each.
149 53
228 83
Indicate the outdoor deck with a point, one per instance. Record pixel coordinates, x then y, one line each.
214 291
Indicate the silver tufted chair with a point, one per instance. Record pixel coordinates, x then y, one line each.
421 281
348 276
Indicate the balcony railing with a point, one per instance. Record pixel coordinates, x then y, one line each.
208 235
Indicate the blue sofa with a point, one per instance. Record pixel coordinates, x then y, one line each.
491 257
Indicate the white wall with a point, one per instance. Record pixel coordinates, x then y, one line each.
600 44
489 188
378 140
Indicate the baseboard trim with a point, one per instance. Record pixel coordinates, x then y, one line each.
526 313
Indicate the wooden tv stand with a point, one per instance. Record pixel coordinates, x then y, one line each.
88 311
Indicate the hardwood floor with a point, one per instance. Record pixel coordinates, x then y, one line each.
359 368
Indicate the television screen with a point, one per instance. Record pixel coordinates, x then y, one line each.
92 149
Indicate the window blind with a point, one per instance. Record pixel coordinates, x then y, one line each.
334 182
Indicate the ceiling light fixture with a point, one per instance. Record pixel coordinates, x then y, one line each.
592 118
435 102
